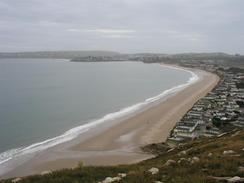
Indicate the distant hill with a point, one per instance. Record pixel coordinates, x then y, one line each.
56 54
201 55
99 53
105 56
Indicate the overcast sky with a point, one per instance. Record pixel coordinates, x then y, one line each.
165 26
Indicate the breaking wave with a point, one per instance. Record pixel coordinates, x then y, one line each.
74 132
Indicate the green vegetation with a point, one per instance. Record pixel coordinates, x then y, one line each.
236 70
217 122
208 153
240 85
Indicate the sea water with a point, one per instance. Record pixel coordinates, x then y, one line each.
44 102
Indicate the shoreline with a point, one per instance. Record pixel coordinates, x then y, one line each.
120 143
113 117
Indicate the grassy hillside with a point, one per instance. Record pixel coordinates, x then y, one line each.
199 161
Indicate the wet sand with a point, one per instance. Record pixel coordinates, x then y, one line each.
120 143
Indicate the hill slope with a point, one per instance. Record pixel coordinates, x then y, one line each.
205 160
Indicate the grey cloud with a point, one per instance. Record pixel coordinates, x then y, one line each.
166 26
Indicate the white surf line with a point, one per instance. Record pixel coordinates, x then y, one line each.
75 132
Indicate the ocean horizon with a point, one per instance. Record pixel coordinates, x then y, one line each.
45 102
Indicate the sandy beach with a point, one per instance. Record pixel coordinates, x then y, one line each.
120 143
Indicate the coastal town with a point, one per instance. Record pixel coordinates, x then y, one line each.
122 91
218 112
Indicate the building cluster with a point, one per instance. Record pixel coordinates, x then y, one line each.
98 59
219 111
